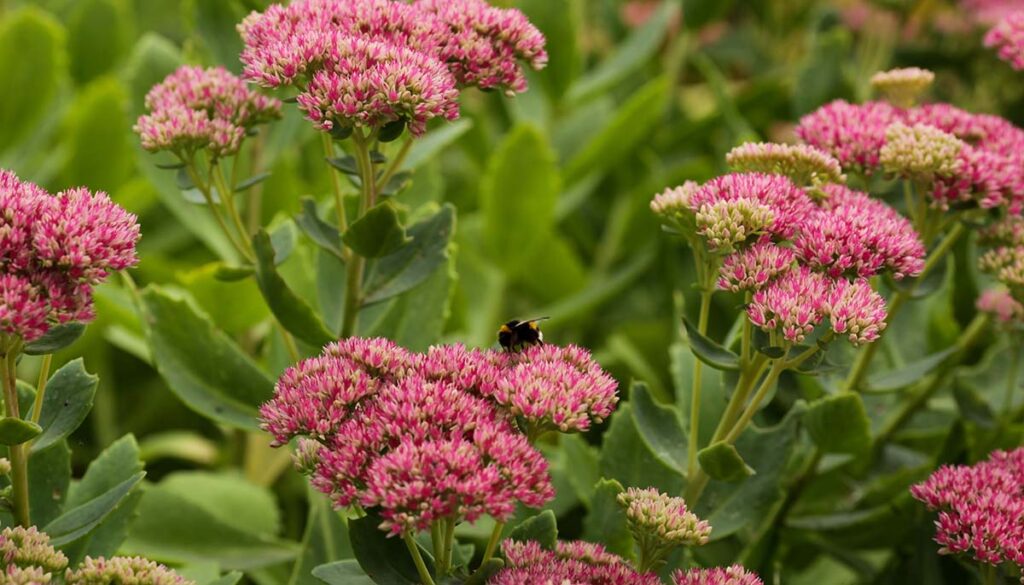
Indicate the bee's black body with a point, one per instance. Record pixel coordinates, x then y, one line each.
517 334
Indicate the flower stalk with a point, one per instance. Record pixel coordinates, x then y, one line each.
19 457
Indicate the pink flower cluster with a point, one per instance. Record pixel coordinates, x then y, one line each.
367 63
125 570
734 575
741 206
576 563
1000 303
989 167
53 250
1007 37
423 437
981 508
195 109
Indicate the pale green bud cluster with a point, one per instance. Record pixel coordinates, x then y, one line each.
920 152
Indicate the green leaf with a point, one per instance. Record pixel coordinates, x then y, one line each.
377 233
702 12
396 273
713 398
67 401
98 37
485 571
31 51
541 528
252 182
659 427
518 195
385 560
391 131
173 529
290 309
730 507
632 125
839 424
15 431
606 519
201 365
894 380
631 55
345 163
215 21
152 58
560 21
721 461
49 475
78 521
709 351
821 76
972 406
325 540
322 233
56 338
436 141
581 459
346 572
231 578
625 457
229 498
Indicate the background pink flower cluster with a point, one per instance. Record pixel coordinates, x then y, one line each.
195 109
53 250
368 63
440 435
981 508
989 167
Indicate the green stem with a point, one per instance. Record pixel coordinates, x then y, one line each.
204 189
695 388
339 204
417 558
19 458
1011 378
867 353
755 402
395 165
445 562
289 342
739 396
908 201
435 538
492 543
227 197
44 376
356 263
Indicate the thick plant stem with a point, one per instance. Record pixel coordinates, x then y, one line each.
867 353
417 558
396 164
492 543
695 389
339 204
444 564
44 376
739 397
356 263
755 402
19 457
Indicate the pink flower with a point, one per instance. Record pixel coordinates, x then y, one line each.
752 268
1007 37
94 571
23 309
557 388
380 357
784 204
660 523
529 564
734 575
855 235
369 84
981 508
792 304
483 44
853 134
476 371
27 547
804 165
856 310
1001 303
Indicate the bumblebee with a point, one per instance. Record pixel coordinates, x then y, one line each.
517 334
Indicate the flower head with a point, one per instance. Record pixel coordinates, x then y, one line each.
1005 232
903 87
661 520
573 562
734 575
793 304
23 308
15 575
1002 305
734 207
124 571
195 109
378 356
856 310
853 134
855 235
557 388
28 547
920 152
1007 37
804 165
754 267
981 508
675 201
483 45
